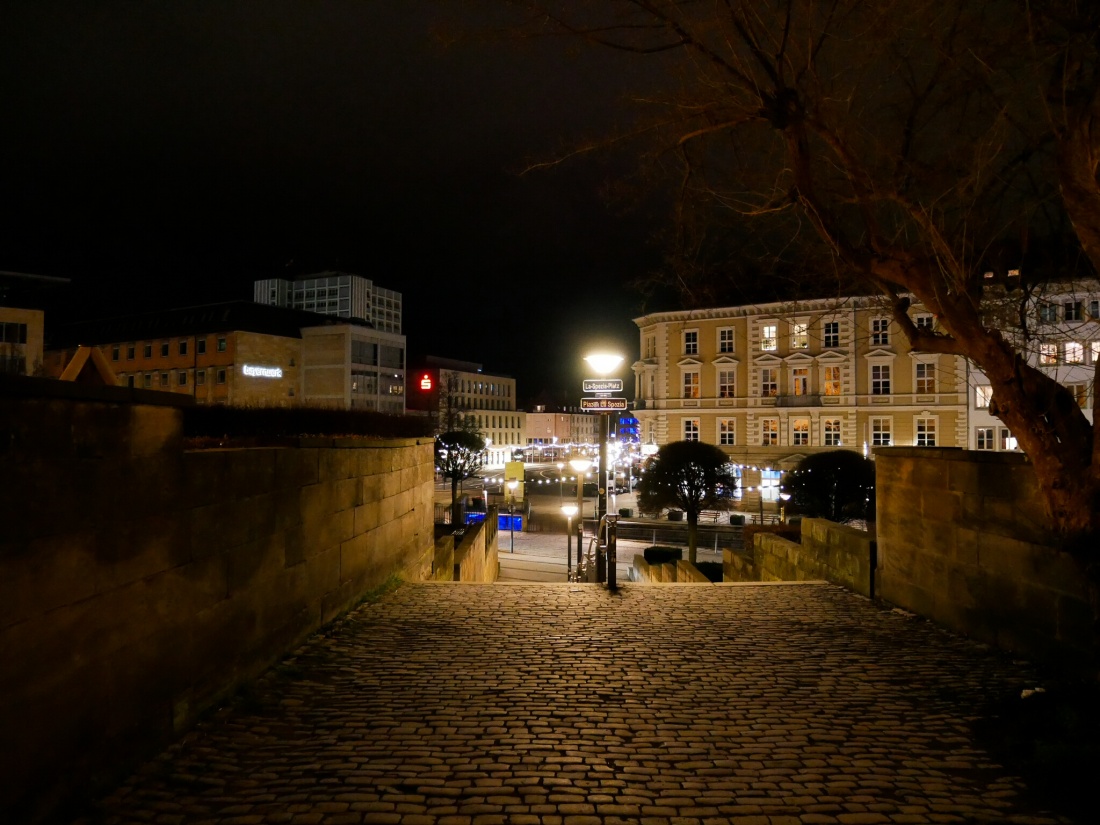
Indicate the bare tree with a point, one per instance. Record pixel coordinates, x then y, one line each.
910 146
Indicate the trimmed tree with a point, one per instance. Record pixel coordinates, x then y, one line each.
689 475
838 485
459 454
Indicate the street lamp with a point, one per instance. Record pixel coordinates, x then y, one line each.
603 363
569 510
783 506
580 464
561 466
511 518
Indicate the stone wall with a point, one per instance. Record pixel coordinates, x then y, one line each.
141 584
962 541
827 552
476 558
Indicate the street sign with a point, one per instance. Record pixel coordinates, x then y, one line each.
602 385
603 404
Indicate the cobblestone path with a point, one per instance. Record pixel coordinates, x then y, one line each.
566 705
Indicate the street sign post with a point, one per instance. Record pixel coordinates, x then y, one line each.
602 404
602 385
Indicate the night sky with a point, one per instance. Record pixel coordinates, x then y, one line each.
170 153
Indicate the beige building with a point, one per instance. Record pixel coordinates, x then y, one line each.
448 389
245 353
772 383
21 340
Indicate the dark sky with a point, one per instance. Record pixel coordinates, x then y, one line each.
167 153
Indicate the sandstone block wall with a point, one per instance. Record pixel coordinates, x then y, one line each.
962 541
140 584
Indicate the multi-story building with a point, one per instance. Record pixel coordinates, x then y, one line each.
772 383
22 321
450 389
335 293
246 353
1062 340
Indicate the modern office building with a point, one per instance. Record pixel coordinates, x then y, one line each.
772 383
449 389
335 293
1062 340
22 320
246 353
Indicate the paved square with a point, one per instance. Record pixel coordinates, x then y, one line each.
566 705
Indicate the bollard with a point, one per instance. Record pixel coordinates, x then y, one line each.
612 534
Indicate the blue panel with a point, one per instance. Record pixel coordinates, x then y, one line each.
517 522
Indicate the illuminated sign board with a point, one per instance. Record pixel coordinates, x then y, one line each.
602 404
602 385
425 382
254 371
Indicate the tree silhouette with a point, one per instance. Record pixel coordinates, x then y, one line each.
688 475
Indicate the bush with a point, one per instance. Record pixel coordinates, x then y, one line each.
737 518
214 424
626 512
675 515
662 555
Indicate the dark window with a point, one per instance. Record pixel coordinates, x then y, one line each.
164 379
221 376
221 346
200 376
183 378
200 346
163 349
130 352
147 350
183 347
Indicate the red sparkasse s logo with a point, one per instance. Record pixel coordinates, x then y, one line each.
425 382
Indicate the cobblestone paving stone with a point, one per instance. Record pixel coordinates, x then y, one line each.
564 704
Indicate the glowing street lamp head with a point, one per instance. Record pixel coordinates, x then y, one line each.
580 464
569 510
603 362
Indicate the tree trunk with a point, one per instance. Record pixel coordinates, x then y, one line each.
693 533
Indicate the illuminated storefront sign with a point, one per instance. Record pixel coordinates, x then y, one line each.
262 372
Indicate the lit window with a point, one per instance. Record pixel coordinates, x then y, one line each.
880 432
691 342
1080 394
800 336
831 381
726 432
727 383
830 431
1048 353
1008 440
983 394
725 340
768 336
691 429
926 379
800 432
800 380
769 432
880 332
983 438
769 382
831 336
926 432
1075 353
880 379
691 384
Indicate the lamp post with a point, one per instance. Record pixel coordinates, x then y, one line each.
783 506
580 464
603 364
569 510
511 518
561 466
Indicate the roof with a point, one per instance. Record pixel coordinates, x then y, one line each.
228 316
